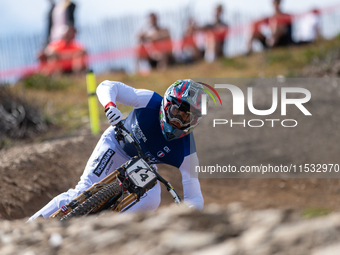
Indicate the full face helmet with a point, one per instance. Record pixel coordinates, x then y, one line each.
181 105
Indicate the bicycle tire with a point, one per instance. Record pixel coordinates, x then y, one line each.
98 199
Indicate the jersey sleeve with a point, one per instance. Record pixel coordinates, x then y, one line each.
191 186
118 92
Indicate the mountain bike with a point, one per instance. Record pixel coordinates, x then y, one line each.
121 189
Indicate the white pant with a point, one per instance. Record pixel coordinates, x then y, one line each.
106 157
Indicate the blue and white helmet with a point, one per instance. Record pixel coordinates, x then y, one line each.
185 96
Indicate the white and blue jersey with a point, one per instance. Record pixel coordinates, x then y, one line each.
143 122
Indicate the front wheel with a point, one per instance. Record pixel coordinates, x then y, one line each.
95 202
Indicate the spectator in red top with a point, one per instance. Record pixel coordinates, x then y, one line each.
65 55
215 34
155 45
280 25
190 48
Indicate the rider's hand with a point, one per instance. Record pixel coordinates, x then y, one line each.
113 114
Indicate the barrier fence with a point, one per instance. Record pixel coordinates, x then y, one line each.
113 43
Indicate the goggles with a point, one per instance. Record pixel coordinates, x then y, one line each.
184 118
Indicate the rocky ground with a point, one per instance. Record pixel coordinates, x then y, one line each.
230 230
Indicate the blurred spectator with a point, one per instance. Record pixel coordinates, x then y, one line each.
190 49
62 15
63 56
280 25
309 27
155 45
215 34
49 21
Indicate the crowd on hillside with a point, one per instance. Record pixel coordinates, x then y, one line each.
62 53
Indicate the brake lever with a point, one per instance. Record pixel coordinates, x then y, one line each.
118 134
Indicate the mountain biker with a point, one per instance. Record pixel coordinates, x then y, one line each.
162 127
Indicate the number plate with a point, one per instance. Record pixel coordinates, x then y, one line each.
141 174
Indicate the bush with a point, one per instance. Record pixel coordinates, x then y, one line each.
18 119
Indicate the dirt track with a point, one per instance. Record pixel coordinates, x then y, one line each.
33 174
